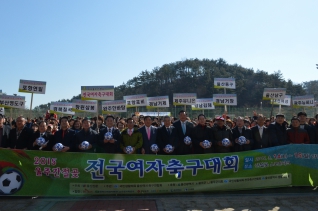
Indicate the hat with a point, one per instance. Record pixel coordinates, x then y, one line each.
295 118
247 120
220 118
302 113
50 125
280 115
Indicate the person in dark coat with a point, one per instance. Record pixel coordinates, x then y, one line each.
242 130
86 134
4 132
184 129
221 132
278 134
297 135
149 136
260 134
167 134
21 136
200 133
113 145
49 138
302 116
65 136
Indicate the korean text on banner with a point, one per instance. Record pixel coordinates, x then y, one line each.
36 87
115 106
228 83
11 101
184 98
158 102
84 106
61 107
224 99
274 93
203 104
136 100
97 93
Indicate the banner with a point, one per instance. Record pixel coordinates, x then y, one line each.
114 106
154 113
184 98
136 100
158 102
11 101
84 106
2 111
203 104
274 93
224 99
228 83
303 101
37 87
97 93
61 108
44 173
286 101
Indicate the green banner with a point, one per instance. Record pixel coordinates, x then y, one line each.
39 173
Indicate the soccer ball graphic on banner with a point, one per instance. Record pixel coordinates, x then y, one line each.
108 136
226 142
40 141
187 140
168 148
58 147
85 145
129 149
10 182
206 144
241 140
154 148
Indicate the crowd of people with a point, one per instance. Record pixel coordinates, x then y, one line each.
142 132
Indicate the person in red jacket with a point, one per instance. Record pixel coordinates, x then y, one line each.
296 135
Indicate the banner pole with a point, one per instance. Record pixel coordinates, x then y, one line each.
280 109
97 128
271 109
225 107
30 113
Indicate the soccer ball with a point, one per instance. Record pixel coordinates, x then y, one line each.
108 136
226 142
58 147
187 140
154 148
168 148
241 140
10 182
129 149
206 144
40 141
85 145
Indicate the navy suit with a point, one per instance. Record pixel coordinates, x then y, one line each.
247 133
165 137
146 142
259 142
67 139
182 148
109 147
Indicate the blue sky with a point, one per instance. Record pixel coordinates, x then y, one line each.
70 44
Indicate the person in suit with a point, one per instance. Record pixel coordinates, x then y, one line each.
167 134
86 134
49 138
21 136
260 134
184 129
297 135
220 132
242 130
149 136
131 137
4 132
278 131
200 133
110 146
65 136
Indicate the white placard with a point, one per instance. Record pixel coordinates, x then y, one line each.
224 99
136 100
228 83
36 87
274 93
184 98
2 111
11 101
61 107
286 101
84 106
303 101
115 106
155 113
203 104
158 102
97 93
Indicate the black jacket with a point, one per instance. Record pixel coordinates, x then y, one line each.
219 135
199 134
182 148
49 137
67 140
109 147
259 142
24 141
247 133
278 134
164 137
91 136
